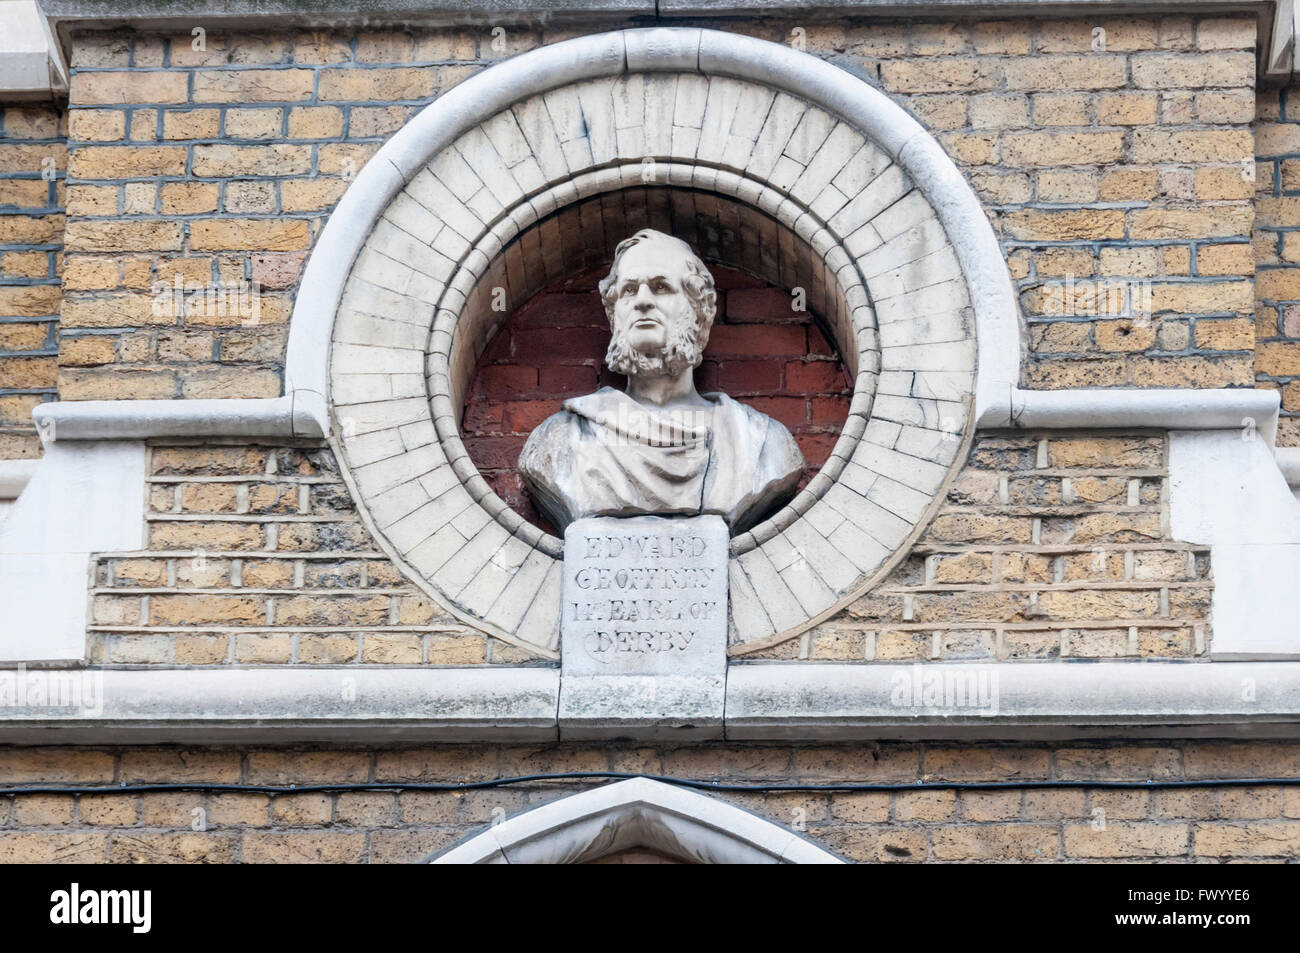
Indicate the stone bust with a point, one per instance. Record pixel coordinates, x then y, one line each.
661 447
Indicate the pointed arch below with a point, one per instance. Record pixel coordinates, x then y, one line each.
638 812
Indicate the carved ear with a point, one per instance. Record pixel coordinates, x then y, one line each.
603 288
702 329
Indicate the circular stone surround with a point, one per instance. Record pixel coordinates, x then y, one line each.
899 272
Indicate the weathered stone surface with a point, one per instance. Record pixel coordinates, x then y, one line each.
645 596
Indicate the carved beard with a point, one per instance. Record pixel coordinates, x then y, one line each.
681 352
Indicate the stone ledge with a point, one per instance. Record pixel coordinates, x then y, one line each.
31 64
479 11
276 704
1034 700
296 415
1176 408
290 417
765 701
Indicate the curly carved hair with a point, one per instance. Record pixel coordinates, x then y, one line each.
697 282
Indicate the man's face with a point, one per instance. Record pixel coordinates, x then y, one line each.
652 311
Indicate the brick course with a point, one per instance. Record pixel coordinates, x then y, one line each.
197 169
1086 824
1048 546
1117 168
256 556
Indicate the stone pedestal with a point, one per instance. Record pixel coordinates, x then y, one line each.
643 636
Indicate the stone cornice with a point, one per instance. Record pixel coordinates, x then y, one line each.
826 701
481 11
292 416
1275 37
766 701
1175 408
31 63
14 477
284 418
1276 17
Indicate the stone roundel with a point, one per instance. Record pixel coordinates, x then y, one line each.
531 171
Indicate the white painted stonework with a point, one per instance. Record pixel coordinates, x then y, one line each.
637 813
1226 490
84 497
1288 461
14 477
765 701
533 170
31 59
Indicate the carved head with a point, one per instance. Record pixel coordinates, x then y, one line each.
660 302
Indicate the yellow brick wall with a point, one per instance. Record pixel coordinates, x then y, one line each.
1189 825
1048 545
256 556
1114 157
217 165
1277 254
32 160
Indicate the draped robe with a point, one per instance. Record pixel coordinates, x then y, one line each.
607 455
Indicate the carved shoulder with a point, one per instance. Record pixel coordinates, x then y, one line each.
781 448
546 466
780 453
547 445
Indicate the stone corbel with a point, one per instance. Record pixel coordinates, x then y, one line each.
1279 55
31 62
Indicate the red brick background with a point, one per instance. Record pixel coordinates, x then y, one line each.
553 347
